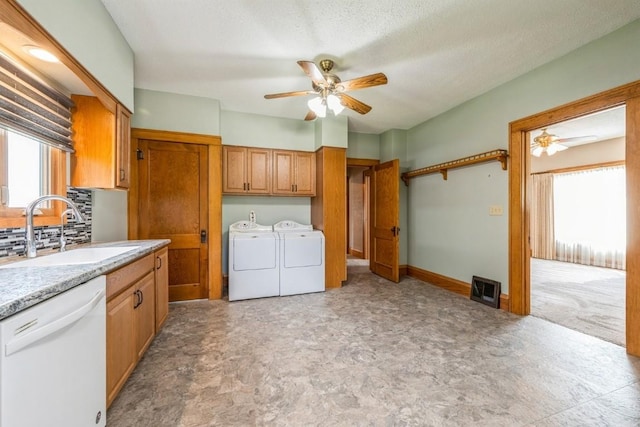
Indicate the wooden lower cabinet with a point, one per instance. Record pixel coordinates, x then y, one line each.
132 305
121 348
145 313
162 287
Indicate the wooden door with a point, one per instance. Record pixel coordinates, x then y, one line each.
173 204
385 220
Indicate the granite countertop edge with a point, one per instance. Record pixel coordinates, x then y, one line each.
24 287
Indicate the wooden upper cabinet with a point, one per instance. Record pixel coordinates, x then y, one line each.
294 173
246 170
123 144
101 139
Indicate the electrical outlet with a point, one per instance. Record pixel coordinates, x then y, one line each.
495 210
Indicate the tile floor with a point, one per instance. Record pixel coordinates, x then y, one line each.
377 354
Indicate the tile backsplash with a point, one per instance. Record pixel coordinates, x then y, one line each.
12 240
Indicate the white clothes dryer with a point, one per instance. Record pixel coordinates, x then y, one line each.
254 269
301 258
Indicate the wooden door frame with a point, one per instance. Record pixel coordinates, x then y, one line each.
214 145
520 203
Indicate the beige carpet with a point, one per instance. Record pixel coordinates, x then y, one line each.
587 299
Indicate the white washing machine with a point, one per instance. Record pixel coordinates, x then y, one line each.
301 258
254 269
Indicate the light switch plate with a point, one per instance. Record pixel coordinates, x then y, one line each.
495 210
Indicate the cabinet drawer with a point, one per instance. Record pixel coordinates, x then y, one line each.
122 278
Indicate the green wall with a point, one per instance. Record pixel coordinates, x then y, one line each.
363 146
451 231
332 132
254 130
175 112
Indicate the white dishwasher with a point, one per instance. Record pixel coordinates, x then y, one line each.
53 361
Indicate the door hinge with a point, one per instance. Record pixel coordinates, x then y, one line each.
139 154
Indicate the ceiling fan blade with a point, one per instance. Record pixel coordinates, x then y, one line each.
312 70
578 139
310 116
560 147
285 94
354 104
362 82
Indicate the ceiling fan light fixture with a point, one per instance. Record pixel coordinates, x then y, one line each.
537 151
552 149
318 106
335 104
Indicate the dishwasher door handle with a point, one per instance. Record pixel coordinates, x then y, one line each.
17 344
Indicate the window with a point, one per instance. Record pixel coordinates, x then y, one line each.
25 169
29 169
590 216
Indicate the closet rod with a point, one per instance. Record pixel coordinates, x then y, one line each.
498 155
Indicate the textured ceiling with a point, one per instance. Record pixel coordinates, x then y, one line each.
435 53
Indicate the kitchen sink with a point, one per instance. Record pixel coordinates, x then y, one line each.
72 257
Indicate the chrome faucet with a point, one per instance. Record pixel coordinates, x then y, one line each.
30 236
63 240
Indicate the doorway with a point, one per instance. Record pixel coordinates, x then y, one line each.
577 225
358 187
206 266
520 198
358 214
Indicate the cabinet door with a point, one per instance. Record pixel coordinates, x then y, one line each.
162 287
123 143
283 171
145 313
121 349
234 166
259 170
305 174
94 140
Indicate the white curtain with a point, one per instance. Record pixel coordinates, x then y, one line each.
542 235
590 217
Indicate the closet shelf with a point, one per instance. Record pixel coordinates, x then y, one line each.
499 155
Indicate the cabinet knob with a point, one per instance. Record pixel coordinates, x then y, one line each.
159 263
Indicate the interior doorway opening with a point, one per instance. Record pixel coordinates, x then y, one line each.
358 181
577 226
358 213
520 199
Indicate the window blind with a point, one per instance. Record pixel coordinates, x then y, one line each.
30 106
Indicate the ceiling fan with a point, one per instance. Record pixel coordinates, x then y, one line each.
330 90
551 144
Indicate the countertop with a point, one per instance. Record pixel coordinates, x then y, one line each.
23 287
